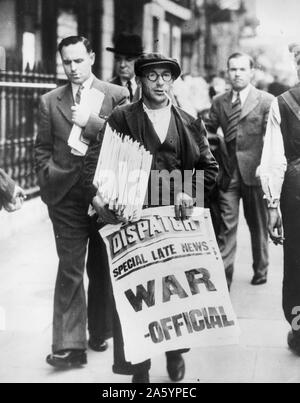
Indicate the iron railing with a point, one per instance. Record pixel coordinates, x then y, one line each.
19 100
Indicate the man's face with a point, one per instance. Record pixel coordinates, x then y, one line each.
124 66
155 92
240 73
77 62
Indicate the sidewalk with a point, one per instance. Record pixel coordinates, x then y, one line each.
28 270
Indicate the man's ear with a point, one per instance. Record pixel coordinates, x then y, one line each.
93 58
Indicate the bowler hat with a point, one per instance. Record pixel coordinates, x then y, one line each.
128 44
156 59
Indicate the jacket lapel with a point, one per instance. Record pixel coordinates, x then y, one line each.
65 102
106 107
185 130
296 93
99 85
134 118
227 104
251 102
137 95
141 127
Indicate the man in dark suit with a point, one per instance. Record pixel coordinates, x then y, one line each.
280 177
177 142
11 195
128 48
59 168
277 88
242 114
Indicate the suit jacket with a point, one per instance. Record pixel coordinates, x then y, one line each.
130 120
58 170
250 134
136 96
7 187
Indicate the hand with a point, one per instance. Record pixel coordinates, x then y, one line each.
19 193
275 226
80 115
16 201
105 215
184 206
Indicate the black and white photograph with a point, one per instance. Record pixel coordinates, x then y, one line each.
149 179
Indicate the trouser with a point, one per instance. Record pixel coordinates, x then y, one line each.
214 206
72 229
100 296
290 208
256 216
123 367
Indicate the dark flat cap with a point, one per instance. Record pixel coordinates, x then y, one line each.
128 45
155 60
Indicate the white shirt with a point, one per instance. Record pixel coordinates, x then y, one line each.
86 87
243 94
133 84
273 162
160 119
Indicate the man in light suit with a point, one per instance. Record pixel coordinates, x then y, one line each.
242 114
59 169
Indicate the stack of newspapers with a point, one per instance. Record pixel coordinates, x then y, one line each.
122 174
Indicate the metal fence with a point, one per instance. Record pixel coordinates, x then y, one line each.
19 100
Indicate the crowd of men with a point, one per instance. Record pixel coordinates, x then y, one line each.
253 156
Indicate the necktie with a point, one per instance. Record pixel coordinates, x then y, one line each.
129 86
78 95
233 120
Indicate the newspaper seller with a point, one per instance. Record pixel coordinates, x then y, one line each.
177 143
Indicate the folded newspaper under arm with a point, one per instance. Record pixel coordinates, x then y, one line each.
122 174
78 147
79 144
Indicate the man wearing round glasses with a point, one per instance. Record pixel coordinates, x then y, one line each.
177 142
156 83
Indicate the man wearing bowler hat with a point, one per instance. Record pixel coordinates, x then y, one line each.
177 142
128 47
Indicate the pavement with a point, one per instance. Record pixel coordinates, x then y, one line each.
28 265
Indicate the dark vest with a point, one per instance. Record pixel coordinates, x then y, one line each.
290 126
167 157
168 154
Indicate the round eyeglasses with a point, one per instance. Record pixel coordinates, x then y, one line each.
153 76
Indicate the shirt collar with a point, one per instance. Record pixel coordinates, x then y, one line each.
161 110
243 93
86 85
124 82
